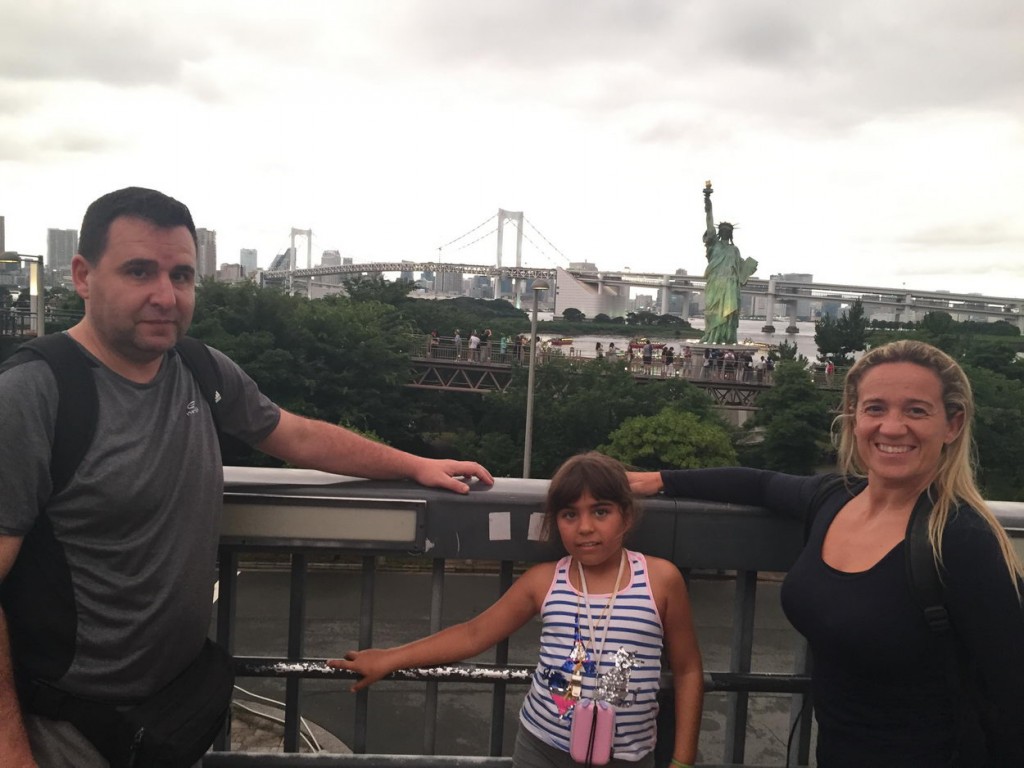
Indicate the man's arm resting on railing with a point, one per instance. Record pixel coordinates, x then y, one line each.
13 740
462 641
312 444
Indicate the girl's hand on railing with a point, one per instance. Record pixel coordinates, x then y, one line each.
371 664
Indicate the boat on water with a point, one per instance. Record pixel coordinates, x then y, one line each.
639 342
559 342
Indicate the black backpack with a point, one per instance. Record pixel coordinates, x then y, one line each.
919 561
78 403
927 588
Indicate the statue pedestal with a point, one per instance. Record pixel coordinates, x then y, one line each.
768 328
792 328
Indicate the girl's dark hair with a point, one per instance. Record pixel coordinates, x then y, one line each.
134 202
601 476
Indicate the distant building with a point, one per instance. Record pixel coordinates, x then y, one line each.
3 241
282 262
591 299
330 259
451 283
247 258
230 273
61 246
206 258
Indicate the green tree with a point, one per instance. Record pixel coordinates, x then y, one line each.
376 288
839 339
793 418
576 408
998 433
332 359
573 315
670 439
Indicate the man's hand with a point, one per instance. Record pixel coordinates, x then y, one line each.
372 664
645 483
444 473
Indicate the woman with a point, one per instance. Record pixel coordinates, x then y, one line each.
886 689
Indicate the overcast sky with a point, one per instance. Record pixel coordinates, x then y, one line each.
875 142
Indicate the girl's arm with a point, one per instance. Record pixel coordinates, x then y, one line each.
518 605
683 655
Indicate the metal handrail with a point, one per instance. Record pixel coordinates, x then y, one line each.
308 515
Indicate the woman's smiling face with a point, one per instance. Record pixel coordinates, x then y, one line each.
900 423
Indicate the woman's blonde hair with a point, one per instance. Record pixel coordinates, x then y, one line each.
954 476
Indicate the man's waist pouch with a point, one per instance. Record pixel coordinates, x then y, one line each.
173 728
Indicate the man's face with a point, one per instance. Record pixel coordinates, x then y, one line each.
140 295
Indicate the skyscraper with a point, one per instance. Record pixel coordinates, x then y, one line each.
330 259
206 258
61 246
247 258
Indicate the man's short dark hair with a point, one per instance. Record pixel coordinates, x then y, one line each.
137 202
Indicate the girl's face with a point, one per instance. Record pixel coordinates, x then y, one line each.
592 530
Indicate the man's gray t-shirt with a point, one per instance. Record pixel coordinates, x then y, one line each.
139 521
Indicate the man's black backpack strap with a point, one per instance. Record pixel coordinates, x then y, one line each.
921 567
78 402
199 360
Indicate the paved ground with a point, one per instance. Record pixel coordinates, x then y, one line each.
402 606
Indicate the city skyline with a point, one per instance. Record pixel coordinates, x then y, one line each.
843 145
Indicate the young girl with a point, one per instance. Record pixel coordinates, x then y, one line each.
609 614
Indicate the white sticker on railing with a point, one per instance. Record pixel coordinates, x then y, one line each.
500 524
536 526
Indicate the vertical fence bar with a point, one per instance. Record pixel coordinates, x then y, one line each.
430 705
742 649
365 641
800 714
296 650
227 602
500 657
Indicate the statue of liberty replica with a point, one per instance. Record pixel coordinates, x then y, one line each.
726 272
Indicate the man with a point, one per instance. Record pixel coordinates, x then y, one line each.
135 529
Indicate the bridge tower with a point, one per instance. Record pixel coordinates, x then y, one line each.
308 234
517 218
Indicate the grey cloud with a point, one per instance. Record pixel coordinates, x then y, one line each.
980 234
54 145
94 42
826 64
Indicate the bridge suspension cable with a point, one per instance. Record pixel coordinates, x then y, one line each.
470 232
544 238
473 242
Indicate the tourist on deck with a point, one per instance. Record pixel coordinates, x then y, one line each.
598 351
474 346
457 338
888 690
613 353
647 355
609 616
108 557
485 345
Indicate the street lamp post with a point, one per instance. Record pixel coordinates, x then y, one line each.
538 286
